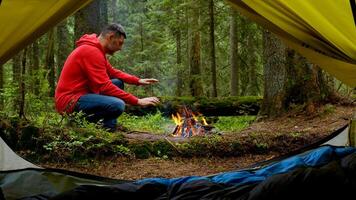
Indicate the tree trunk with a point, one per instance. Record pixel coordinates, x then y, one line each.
179 63
1 78
196 86
63 45
306 85
1 86
22 85
16 68
212 48
188 40
244 57
274 75
327 86
16 73
234 82
50 62
114 10
104 16
87 20
34 69
253 88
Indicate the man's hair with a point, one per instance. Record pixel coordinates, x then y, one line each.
114 27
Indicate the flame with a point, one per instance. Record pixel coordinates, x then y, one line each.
177 119
195 117
189 124
204 121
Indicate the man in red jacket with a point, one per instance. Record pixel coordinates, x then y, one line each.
88 82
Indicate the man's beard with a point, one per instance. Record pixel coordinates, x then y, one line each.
109 50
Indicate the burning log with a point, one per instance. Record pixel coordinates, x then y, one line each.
188 124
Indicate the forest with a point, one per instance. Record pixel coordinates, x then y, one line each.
206 56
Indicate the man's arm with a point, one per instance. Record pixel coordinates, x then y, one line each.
127 78
95 68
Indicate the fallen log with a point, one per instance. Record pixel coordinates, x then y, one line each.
223 106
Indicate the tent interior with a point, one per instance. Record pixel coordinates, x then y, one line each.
321 170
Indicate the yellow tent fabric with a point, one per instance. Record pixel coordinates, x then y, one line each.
22 21
324 31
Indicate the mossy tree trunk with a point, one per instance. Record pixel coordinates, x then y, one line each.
63 43
104 13
226 106
179 86
22 84
1 85
196 85
16 68
114 9
252 42
87 20
306 83
50 62
234 81
290 79
214 89
34 68
274 75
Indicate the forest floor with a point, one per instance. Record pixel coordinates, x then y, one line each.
324 121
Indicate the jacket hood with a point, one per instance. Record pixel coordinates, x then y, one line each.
91 40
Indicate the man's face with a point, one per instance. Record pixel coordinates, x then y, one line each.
115 43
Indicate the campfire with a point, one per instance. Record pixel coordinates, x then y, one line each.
188 124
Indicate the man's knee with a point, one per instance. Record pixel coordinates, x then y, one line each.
119 83
118 107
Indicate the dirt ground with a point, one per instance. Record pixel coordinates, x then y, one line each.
319 124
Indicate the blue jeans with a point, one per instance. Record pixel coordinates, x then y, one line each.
100 107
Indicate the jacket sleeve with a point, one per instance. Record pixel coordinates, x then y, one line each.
127 78
94 64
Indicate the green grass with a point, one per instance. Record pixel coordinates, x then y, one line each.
158 124
151 123
234 124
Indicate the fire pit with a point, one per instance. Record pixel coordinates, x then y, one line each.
189 124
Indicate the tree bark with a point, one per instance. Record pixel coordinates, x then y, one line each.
114 9
244 57
196 86
16 68
253 87
87 20
16 73
104 14
34 69
1 86
212 48
274 75
234 81
306 83
188 40
22 85
1 78
63 46
179 63
50 62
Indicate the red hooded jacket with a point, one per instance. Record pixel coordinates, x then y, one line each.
87 70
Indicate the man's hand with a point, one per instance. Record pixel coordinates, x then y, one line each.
148 101
147 81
